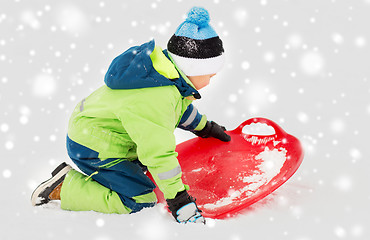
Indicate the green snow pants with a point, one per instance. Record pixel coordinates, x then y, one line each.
110 186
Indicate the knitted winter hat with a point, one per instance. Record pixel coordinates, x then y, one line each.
195 47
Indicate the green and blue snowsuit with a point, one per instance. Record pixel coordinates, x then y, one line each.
132 118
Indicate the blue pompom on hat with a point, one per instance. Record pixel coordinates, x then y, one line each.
196 25
195 47
199 16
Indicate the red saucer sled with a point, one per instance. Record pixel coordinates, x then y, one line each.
225 178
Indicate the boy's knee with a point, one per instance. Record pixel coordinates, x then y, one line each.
145 201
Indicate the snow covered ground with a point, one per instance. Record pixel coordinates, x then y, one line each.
303 64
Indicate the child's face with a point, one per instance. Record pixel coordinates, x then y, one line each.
200 82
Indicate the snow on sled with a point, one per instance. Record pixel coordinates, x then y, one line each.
227 177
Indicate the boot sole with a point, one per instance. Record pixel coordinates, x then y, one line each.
41 193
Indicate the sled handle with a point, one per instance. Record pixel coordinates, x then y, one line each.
279 132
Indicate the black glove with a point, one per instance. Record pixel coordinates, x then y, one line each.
212 129
184 208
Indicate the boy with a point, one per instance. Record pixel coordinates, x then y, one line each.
127 127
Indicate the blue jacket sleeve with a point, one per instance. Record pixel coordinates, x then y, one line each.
192 120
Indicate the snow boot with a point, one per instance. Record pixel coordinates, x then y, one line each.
50 189
55 194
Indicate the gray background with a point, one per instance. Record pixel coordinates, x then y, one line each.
303 64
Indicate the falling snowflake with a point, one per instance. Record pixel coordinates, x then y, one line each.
360 42
100 222
355 154
312 63
295 41
245 65
7 173
344 183
269 57
303 117
241 16
72 19
9 145
337 38
337 125
4 127
29 18
340 232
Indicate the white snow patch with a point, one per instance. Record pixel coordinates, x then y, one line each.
261 129
153 230
197 170
211 223
271 164
53 204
